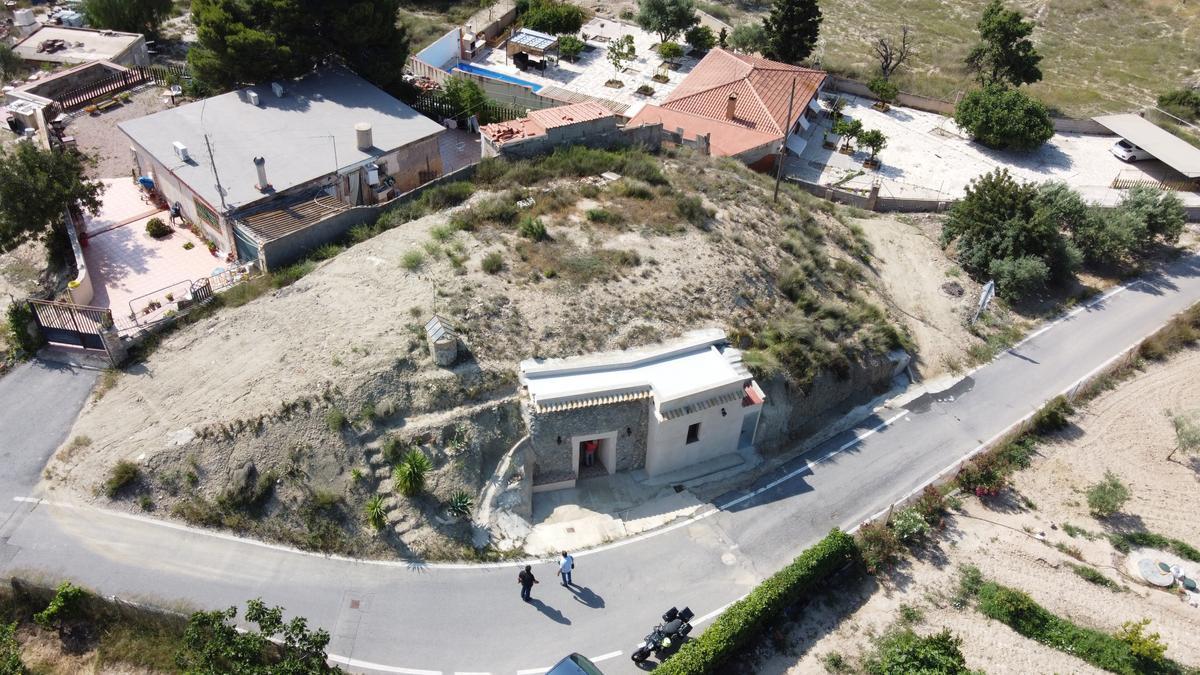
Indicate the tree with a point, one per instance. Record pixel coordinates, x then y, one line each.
253 41
792 29
621 51
570 47
701 38
1187 434
848 129
1161 212
212 644
670 50
466 98
892 55
1183 103
36 187
998 229
723 37
1108 496
873 140
1004 118
749 37
1005 53
134 16
555 18
667 18
884 89
10 650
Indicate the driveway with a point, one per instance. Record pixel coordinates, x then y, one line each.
39 401
928 157
410 617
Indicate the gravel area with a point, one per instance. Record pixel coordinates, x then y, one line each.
98 136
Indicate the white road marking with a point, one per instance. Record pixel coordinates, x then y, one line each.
356 663
605 657
471 672
533 671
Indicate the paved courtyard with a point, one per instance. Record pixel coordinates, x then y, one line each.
928 157
592 69
130 268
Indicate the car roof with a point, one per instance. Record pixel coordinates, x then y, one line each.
575 664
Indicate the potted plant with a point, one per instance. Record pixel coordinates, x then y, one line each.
885 90
645 90
212 247
848 130
874 141
836 105
155 227
620 52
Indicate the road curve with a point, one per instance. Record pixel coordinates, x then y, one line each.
408 618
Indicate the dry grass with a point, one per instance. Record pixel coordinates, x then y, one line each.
1099 55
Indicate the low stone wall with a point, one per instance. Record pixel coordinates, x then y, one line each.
649 136
550 436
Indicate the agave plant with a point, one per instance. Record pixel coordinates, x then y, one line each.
409 475
376 512
460 504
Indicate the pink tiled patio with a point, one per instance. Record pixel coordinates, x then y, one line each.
129 268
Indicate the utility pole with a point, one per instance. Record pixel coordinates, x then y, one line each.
212 162
783 146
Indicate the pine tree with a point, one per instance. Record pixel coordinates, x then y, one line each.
792 30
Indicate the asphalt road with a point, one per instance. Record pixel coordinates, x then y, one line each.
411 618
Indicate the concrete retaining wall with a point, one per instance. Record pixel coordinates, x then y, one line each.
550 436
293 247
80 287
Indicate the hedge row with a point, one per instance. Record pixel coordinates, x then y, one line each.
745 619
1019 612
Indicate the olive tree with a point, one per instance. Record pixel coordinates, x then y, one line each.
1003 118
36 187
667 18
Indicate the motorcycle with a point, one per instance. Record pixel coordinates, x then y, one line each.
667 635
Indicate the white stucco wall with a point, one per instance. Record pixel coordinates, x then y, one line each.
667 448
444 50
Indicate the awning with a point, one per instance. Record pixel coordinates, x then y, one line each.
1165 146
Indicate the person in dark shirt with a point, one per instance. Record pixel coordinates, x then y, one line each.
527 580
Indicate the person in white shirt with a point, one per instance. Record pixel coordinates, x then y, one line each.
565 566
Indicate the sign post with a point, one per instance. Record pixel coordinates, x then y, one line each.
985 296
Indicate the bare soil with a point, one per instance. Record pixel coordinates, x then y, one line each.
97 134
1014 540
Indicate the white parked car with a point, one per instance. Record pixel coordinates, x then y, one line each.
1129 152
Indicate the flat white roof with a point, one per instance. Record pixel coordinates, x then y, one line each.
83 44
694 364
1165 146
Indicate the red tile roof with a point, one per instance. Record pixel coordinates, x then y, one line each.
725 138
570 114
503 132
762 88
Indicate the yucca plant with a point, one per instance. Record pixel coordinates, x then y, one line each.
460 504
376 512
409 475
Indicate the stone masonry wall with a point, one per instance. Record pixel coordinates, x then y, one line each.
552 460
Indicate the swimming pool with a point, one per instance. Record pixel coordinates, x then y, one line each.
476 70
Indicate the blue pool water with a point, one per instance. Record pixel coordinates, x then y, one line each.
476 70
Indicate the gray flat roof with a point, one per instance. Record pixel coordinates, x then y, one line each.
83 44
1165 146
307 134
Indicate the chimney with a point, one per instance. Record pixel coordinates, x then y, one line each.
253 97
260 165
363 131
731 107
278 89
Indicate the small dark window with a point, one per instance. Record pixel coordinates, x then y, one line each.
693 432
560 440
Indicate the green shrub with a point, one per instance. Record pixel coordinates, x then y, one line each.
909 525
393 450
670 50
692 209
745 620
532 228
155 227
1018 278
10 650
970 580
878 546
1184 103
632 188
123 474
22 329
1127 541
409 475
376 512
460 504
326 251
412 260
335 420
603 216
884 89
446 195
1093 576
550 16
492 262
67 604
1148 648
701 38
1108 496
903 651
1054 416
291 274
1019 612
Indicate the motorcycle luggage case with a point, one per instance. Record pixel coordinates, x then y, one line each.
686 614
670 614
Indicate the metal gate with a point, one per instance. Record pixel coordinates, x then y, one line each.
75 325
